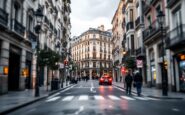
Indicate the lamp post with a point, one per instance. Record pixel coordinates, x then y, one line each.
161 21
39 16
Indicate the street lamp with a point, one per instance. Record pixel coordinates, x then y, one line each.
161 21
39 16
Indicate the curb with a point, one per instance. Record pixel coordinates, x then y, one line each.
32 101
158 97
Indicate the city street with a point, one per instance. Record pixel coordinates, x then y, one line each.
88 98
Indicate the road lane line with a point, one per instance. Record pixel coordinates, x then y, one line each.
127 98
80 110
99 97
149 98
113 97
53 99
175 109
68 98
83 98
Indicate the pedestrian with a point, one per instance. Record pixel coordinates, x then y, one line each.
138 82
120 78
128 80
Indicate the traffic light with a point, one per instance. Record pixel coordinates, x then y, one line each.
65 62
123 70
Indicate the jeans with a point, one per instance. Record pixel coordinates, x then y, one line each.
128 88
138 87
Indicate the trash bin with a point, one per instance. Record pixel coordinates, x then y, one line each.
55 84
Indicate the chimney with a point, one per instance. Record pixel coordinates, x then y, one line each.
101 28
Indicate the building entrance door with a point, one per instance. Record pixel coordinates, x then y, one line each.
14 71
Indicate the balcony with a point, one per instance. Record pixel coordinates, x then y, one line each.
3 17
176 37
171 3
153 2
18 27
32 36
130 25
151 30
140 52
146 7
139 21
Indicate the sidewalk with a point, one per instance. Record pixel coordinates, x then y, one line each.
17 99
153 92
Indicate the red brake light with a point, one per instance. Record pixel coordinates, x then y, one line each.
110 79
101 79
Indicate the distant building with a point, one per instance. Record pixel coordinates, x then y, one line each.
92 52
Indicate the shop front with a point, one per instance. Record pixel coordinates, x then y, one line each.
181 71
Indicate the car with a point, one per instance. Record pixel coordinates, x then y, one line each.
105 80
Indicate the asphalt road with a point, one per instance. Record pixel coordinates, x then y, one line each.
88 98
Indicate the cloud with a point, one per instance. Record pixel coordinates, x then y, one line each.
91 13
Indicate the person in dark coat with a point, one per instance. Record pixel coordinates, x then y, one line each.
138 82
128 80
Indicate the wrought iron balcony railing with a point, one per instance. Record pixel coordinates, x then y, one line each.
176 37
18 27
151 30
3 17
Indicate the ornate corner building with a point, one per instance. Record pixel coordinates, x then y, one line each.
92 52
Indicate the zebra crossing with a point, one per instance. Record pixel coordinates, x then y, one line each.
99 98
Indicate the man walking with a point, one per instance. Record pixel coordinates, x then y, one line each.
128 80
138 82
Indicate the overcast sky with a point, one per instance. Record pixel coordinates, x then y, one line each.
91 13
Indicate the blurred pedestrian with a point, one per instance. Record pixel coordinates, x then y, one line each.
128 80
138 82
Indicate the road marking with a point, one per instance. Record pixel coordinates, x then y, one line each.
127 98
80 110
99 97
60 92
92 88
113 97
141 98
175 109
53 99
119 88
83 98
68 98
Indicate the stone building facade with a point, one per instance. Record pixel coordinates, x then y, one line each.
92 52
17 38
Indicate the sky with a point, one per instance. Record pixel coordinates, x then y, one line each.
91 13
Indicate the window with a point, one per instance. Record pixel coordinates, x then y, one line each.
132 42
30 23
149 21
177 18
94 55
131 15
94 64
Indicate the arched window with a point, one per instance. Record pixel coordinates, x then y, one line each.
30 20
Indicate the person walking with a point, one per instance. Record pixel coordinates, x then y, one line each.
138 82
128 80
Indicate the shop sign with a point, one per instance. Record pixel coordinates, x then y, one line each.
139 63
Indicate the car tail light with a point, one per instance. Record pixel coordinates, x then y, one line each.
110 79
101 79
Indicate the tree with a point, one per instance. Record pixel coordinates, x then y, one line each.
130 63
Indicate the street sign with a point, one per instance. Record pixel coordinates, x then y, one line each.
139 63
61 65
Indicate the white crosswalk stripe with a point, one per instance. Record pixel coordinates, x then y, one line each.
113 97
99 97
141 98
83 98
127 98
68 98
53 99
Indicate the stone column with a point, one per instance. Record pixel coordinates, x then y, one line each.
4 61
23 65
157 67
149 80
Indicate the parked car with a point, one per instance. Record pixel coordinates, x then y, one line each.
105 79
